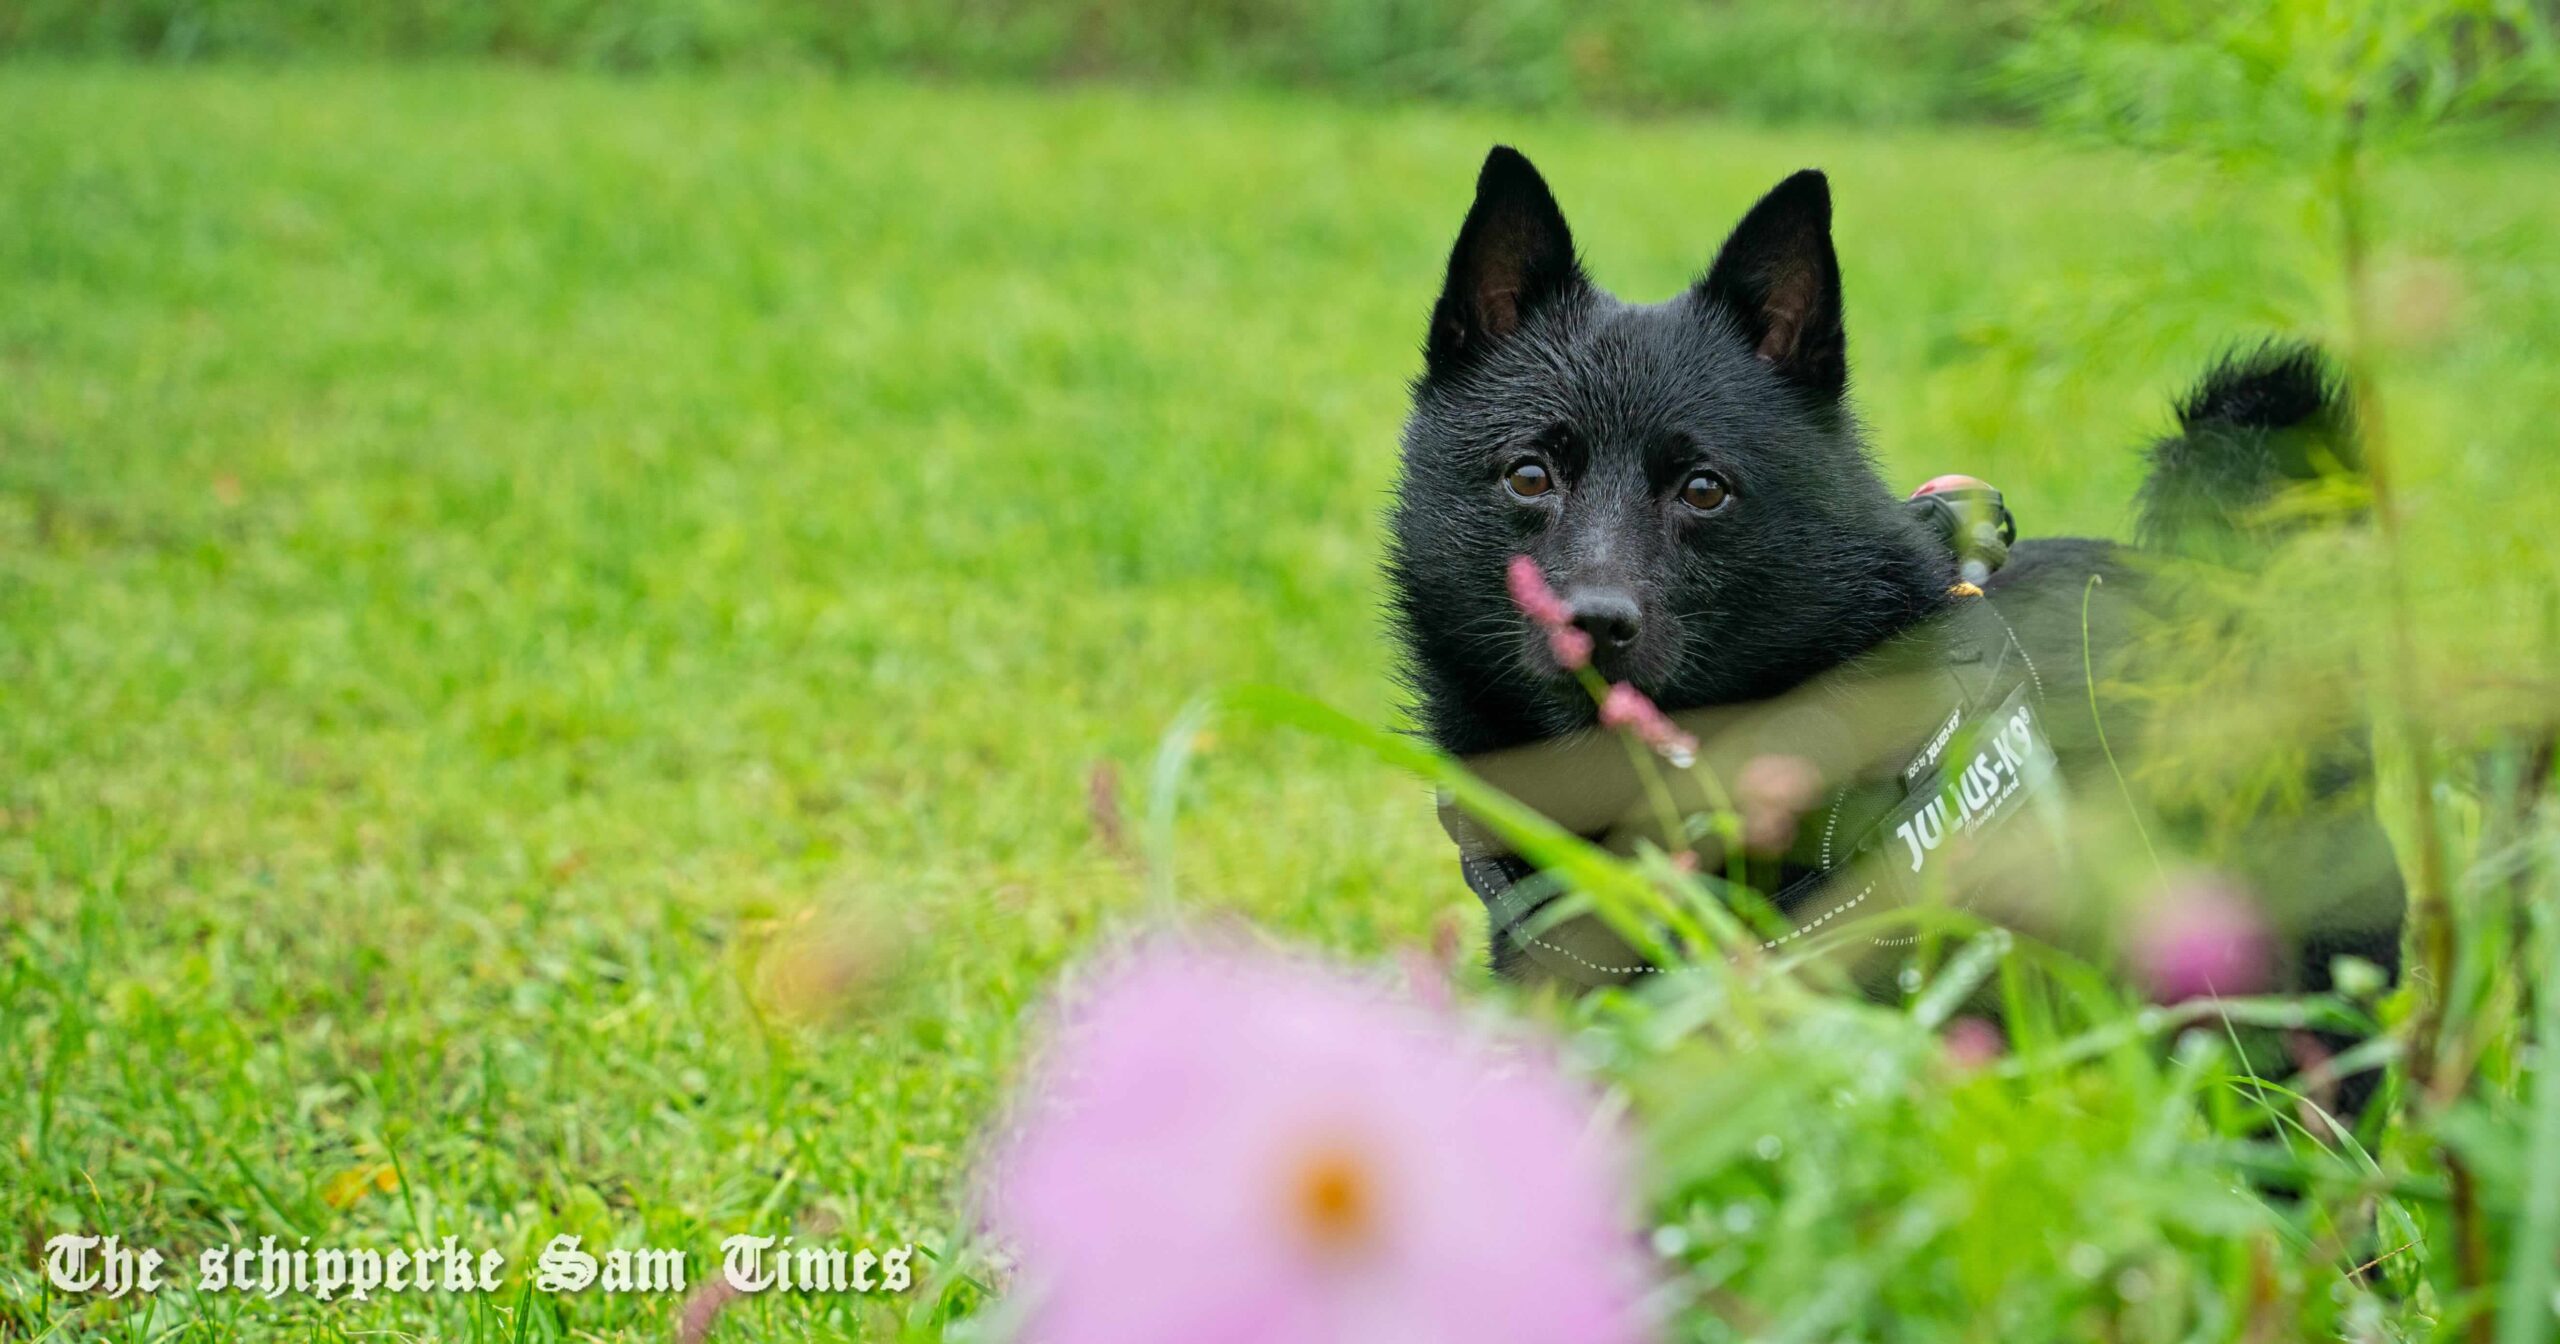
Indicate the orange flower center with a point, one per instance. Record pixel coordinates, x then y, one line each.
1334 1201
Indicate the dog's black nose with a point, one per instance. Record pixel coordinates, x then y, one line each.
1609 616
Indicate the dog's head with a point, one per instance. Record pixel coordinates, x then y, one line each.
1687 473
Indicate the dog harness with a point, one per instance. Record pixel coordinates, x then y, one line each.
1978 765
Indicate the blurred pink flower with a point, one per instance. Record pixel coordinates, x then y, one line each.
1571 647
1774 792
1227 1146
1625 707
1570 643
1974 1043
1537 601
2201 935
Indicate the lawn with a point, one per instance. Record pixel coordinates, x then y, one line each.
565 643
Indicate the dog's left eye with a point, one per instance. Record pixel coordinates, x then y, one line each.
1706 492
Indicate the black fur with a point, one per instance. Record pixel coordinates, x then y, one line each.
1810 561
2256 422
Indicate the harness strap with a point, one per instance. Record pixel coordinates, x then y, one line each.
1992 687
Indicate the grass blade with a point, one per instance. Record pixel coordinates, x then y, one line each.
2526 1305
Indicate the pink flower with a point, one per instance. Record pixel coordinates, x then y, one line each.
1537 601
1973 1043
1626 708
1569 643
1230 1146
1774 792
2201 936
1571 647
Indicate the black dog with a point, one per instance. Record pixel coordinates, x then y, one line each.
1689 477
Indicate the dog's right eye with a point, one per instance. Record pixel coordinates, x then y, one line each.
1529 478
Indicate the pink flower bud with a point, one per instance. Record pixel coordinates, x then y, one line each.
1625 708
1571 647
1537 601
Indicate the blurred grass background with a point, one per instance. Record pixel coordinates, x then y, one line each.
1864 58
1873 61
489 558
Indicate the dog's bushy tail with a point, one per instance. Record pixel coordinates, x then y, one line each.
2258 422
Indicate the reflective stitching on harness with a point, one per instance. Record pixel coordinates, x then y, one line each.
1772 945
2021 646
1827 916
1470 865
1535 941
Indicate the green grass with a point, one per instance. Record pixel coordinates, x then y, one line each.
488 558
1871 59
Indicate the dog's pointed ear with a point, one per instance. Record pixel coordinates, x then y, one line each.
1513 256
1778 280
